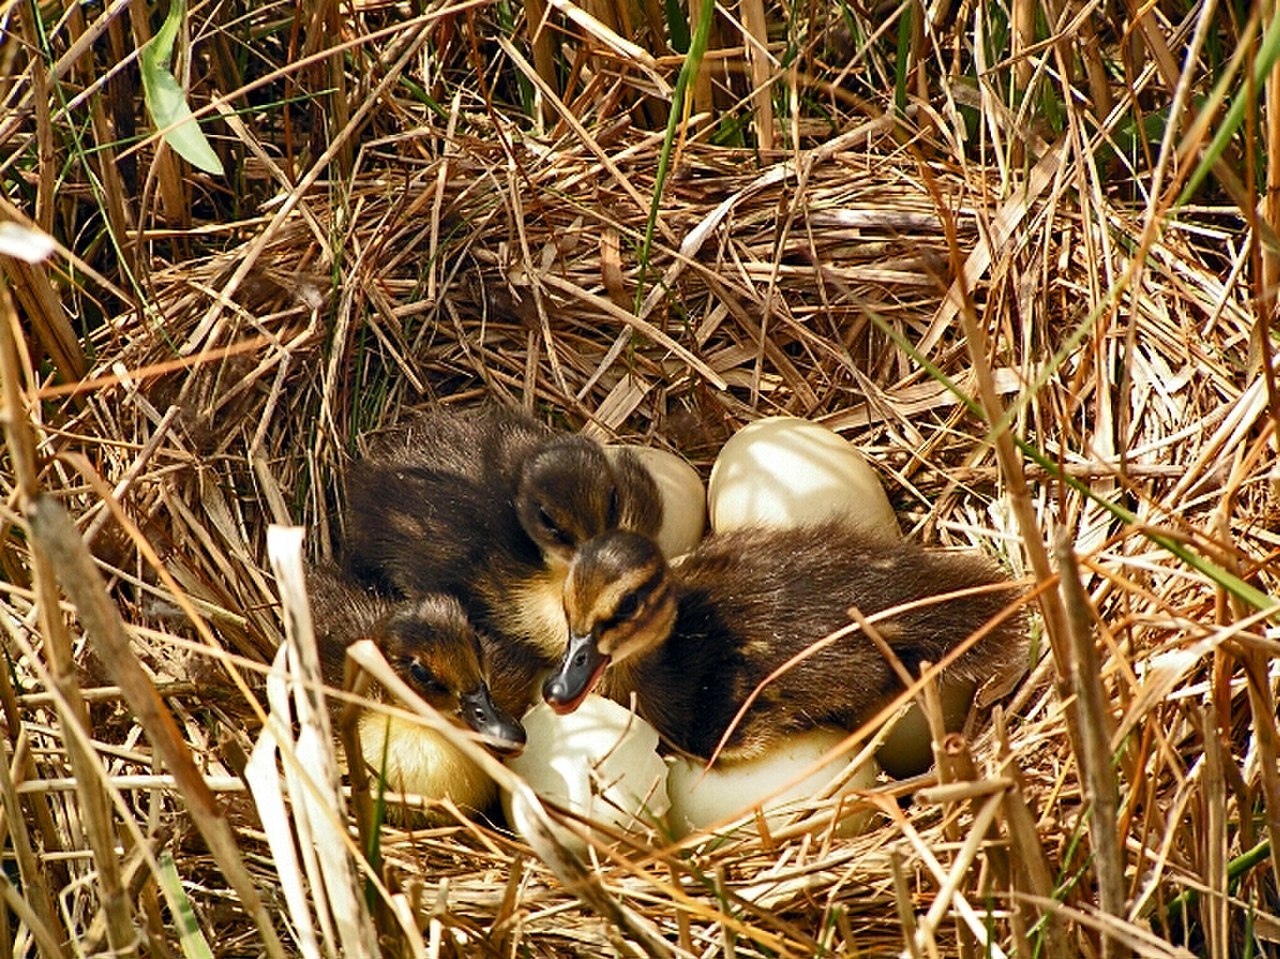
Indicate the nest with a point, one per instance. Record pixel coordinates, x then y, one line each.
907 301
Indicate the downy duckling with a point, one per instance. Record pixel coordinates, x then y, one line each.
489 505
693 641
433 647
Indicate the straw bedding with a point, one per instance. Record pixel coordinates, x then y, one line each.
463 258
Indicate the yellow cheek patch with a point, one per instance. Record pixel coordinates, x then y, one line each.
535 612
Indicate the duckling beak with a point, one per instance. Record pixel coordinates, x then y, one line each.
504 735
579 671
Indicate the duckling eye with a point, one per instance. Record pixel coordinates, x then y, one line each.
559 535
626 608
424 678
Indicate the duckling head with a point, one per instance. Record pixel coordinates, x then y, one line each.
433 647
620 602
567 495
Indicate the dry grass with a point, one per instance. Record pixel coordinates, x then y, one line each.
919 229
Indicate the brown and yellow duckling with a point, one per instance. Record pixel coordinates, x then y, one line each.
432 646
692 641
490 506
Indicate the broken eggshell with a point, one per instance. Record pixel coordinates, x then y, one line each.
600 761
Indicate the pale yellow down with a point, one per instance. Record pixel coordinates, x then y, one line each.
420 761
535 609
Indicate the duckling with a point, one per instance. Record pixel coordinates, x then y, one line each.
432 645
692 642
489 505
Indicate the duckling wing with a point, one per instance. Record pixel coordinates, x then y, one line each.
757 607
476 443
432 507
416 528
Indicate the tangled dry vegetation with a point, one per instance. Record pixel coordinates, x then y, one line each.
909 222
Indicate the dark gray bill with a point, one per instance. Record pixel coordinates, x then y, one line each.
581 668
499 731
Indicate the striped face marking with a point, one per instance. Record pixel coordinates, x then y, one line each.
619 602
433 647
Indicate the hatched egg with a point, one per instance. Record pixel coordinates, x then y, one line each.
601 761
684 499
787 471
702 797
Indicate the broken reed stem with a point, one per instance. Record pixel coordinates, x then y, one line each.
1029 861
756 44
1095 724
46 925
17 901
930 703
954 755
983 819
1263 706
95 806
56 536
51 839
903 900
1213 904
542 39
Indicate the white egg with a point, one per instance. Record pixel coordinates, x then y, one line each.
684 499
701 798
908 750
600 761
784 471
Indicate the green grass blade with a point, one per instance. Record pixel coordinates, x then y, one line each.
166 100
1268 54
194 944
688 72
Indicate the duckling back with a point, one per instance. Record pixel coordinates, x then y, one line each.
747 601
434 502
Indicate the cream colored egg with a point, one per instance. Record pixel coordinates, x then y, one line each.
702 798
684 499
784 471
601 761
907 750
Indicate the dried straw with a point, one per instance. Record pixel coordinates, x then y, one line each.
969 261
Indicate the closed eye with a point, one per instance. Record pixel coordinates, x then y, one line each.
560 535
425 679
627 607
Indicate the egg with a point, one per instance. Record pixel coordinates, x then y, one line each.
600 761
684 499
908 749
701 798
786 471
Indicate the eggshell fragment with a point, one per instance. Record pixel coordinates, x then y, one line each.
684 499
702 798
783 471
601 761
